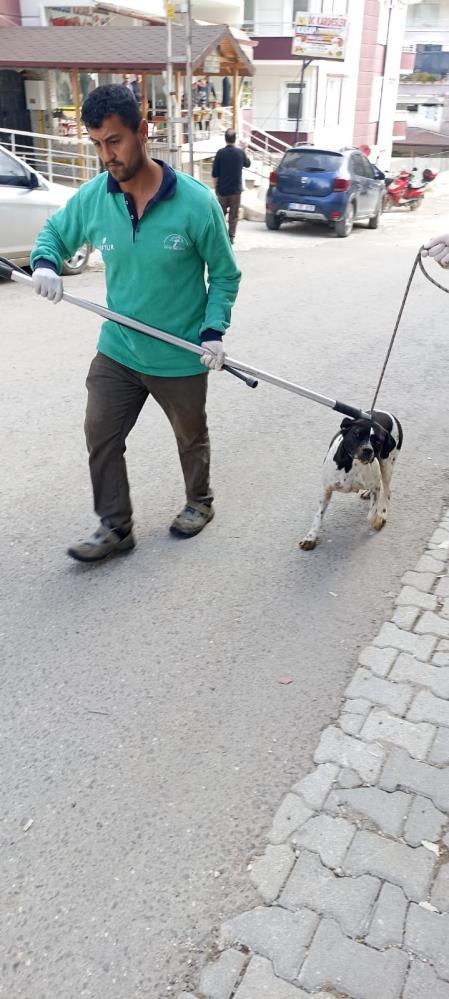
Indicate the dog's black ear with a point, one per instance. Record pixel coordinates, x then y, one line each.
346 423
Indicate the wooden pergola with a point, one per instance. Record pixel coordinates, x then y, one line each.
141 50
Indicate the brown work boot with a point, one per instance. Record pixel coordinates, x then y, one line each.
192 519
103 542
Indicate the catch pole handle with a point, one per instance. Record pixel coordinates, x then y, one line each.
249 381
6 270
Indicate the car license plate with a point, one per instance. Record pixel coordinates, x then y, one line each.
301 208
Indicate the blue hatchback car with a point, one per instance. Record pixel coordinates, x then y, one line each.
321 185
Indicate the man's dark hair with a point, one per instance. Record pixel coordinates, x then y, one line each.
230 136
111 98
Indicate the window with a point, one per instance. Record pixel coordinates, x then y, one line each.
294 100
423 15
430 111
312 160
299 7
369 169
12 173
358 165
248 14
336 7
333 101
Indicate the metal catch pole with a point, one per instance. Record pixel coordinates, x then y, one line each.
246 372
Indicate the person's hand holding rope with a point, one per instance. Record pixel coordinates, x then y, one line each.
438 249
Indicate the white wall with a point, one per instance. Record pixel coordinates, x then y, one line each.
389 97
218 11
269 83
427 117
341 133
427 24
270 97
428 14
273 17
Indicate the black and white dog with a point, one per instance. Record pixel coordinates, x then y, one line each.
360 459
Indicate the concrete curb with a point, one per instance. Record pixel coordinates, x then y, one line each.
355 878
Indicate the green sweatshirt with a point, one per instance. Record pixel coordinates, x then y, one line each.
155 267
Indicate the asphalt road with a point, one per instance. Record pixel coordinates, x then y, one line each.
146 742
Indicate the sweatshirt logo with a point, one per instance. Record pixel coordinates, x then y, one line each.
175 242
105 246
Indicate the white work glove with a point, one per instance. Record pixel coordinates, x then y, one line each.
215 357
438 249
48 284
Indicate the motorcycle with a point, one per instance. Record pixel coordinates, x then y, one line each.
407 189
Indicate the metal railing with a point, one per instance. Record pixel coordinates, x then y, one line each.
72 161
267 29
58 158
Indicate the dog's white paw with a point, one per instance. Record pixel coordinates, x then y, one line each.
365 494
377 522
308 544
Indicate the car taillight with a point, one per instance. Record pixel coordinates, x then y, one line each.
342 184
274 177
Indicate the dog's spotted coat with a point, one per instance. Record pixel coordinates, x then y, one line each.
361 459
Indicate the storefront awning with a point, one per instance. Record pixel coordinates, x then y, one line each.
137 50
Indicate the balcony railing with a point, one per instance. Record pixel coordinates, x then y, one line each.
427 34
267 29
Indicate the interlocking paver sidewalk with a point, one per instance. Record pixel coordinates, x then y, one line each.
355 876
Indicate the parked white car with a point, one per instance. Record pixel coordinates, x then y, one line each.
26 200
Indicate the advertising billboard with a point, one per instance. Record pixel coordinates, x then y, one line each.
75 17
319 37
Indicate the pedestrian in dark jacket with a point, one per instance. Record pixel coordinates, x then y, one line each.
227 170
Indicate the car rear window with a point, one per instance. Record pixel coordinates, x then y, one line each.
306 159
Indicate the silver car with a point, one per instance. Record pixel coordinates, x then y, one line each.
26 200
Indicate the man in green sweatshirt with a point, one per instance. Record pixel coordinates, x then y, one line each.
157 230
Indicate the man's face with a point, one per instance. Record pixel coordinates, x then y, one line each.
121 150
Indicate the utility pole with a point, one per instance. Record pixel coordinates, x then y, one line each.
188 82
305 64
397 13
171 95
174 113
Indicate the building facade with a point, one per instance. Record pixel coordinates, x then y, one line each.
427 37
352 102
423 96
328 103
